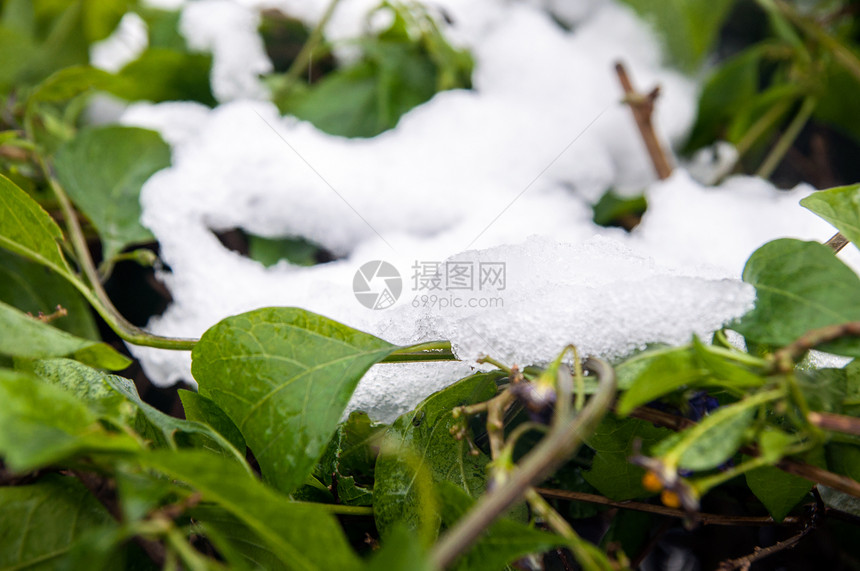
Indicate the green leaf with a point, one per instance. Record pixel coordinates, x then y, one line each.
777 490
404 66
712 441
284 376
109 396
729 89
25 336
688 27
616 210
350 459
162 74
41 522
106 185
423 445
613 442
800 286
32 288
302 536
203 410
26 229
401 551
70 82
664 373
841 207
270 251
42 424
240 546
503 542
100 17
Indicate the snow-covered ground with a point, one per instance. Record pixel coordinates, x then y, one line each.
497 181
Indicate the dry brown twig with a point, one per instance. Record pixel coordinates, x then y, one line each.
642 107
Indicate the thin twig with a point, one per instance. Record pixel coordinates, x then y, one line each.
836 422
698 517
762 552
642 107
788 465
837 242
562 441
783 359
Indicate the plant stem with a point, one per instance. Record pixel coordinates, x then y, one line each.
561 442
788 137
702 518
559 525
430 351
765 122
837 242
843 55
642 107
303 59
93 291
783 359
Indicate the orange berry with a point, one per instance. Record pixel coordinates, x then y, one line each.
670 499
651 481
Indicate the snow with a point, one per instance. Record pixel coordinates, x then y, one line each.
503 174
123 46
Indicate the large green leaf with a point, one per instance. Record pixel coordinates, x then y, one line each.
109 397
284 376
42 424
41 522
613 441
423 444
799 286
302 536
33 288
840 206
25 336
26 229
103 170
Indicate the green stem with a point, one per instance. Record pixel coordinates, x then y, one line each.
192 559
761 126
788 137
430 351
843 54
739 356
339 509
562 442
558 524
302 60
94 292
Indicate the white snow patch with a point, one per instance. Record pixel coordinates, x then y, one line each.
124 45
503 174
